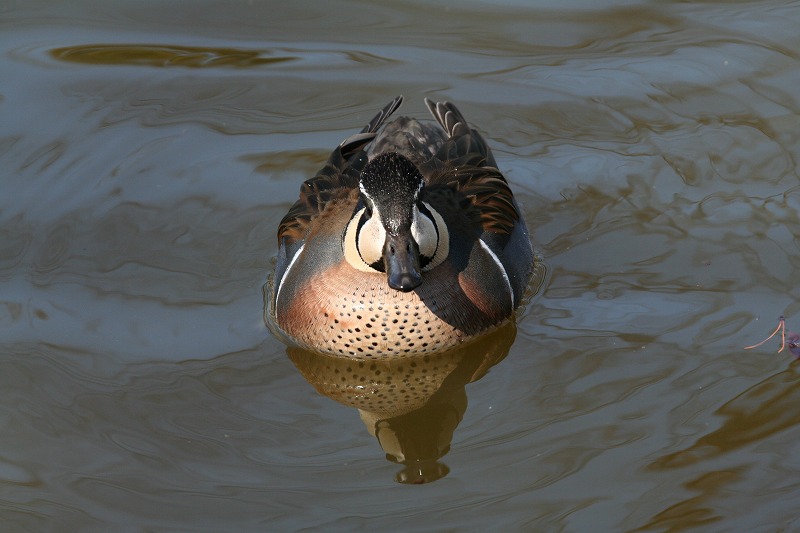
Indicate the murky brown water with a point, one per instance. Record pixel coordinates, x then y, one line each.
148 151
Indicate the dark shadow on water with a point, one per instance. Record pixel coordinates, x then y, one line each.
411 405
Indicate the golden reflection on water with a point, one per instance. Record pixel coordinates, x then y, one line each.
760 412
695 512
163 55
412 405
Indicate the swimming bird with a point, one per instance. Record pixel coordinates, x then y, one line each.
408 241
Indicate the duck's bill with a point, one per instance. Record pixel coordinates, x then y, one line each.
401 258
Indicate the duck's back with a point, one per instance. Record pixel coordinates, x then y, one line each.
418 141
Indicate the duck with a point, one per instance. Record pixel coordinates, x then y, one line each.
409 241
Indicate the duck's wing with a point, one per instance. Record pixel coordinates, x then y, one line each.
464 164
339 175
465 145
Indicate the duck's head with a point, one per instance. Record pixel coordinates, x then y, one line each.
393 230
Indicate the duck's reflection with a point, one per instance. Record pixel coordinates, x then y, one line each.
411 405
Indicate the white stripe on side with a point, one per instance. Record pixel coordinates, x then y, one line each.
502 271
286 273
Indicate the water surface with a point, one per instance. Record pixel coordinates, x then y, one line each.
148 152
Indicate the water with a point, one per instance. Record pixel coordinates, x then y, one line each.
148 152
